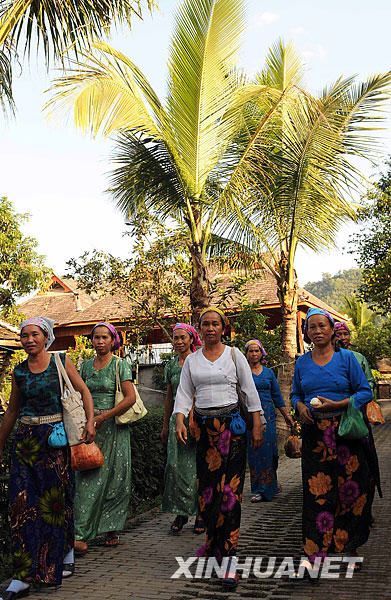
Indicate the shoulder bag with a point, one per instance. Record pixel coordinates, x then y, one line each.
74 416
244 412
136 411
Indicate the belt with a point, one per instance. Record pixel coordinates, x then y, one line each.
216 410
326 415
41 419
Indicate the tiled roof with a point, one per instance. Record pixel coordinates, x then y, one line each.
9 335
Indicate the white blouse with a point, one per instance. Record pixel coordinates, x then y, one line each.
214 383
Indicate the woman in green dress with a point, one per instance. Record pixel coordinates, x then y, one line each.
102 495
180 480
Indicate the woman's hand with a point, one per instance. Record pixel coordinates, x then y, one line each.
289 421
304 413
89 431
327 404
257 436
180 429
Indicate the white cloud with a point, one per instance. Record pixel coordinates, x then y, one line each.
297 30
314 51
265 18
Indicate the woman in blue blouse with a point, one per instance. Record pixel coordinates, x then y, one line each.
263 461
335 470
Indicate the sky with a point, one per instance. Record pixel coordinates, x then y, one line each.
50 170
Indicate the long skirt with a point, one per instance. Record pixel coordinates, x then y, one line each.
221 465
102 495
180 478
336 490
41 506
263 461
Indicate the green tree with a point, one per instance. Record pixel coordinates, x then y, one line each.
57 26
332 289
310 178
177 158
374 341
373 247
22 269
358 312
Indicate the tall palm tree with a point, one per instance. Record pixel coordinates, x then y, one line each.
173 156
57 25
311 188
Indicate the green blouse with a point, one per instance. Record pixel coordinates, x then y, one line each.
172 374
101 383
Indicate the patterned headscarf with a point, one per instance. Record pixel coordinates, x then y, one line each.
260 346
196 340
311 313
216 310
43 323
341 326
114 333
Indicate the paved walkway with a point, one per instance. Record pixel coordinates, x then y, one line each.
140 568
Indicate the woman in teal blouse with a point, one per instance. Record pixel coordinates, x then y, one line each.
102 495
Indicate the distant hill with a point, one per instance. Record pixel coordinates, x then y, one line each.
332 288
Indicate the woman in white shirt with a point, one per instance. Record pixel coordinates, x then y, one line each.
211 377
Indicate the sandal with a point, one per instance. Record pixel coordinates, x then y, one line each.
68 570
257 498
199 525
231 577
111 540
80 548
177 524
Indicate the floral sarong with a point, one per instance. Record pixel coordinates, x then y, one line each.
221 464
41 506
336 490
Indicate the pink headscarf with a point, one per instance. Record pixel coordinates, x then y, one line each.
114 333
341 326
196 340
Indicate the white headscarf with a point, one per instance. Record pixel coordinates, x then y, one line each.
45 324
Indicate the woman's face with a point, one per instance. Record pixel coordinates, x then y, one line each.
32 339
254 354
212 327
102 340
181 341
320 330
344 337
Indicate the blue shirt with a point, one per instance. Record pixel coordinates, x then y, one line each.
268 389
342 377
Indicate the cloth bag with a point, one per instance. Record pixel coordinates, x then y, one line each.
74 417
352 425
374 413
136 411
244 413
58 437
85 457
292 446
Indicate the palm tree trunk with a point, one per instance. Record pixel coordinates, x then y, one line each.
200 284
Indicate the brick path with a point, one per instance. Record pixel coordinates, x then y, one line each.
141 566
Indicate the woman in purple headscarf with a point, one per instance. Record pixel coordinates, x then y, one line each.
102 495
180 490
263 461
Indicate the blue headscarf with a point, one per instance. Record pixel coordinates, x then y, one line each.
311 313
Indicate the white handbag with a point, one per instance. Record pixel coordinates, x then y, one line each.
136 411
74 416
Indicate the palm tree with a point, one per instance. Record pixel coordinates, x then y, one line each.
359 312
173 156
59 25
309 145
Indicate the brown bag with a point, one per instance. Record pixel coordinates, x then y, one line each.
292 445
374 413
86 456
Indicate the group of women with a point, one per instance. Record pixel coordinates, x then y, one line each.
54 512
220 410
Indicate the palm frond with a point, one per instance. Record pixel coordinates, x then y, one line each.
203 55
146 177
108 94
59 25
283 67
6 96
